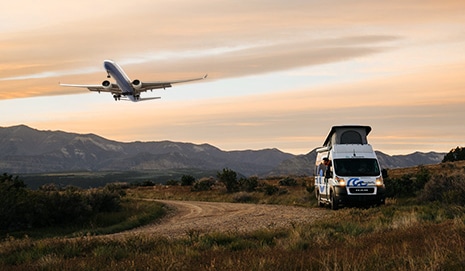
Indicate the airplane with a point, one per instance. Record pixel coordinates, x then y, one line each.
125 87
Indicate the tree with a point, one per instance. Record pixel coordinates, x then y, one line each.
187 180
229 178
14 202
456 154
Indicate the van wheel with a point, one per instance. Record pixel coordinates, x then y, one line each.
333 203
320 202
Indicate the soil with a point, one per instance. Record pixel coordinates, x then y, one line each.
195 217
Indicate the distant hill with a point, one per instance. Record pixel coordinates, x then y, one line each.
409 160
27 150
304 164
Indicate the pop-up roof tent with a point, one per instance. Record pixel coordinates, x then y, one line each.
347 134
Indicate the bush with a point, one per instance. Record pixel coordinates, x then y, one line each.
446 189
269 189
248 184
147 183
399 187
288 181
187 180
24 208
172 182
48 187
408 185
14 202
310 189
229 178
104 201
243 197
204 184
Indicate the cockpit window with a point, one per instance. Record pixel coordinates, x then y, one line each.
356 167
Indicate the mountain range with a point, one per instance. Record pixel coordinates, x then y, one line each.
27 150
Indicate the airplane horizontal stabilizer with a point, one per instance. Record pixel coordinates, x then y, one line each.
149 98
139 99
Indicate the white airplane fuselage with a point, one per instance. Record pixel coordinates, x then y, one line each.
126 88
121 78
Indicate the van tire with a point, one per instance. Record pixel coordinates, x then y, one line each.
333 203
320 202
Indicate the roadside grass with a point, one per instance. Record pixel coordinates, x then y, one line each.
134 213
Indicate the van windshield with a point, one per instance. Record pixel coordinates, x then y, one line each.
356 167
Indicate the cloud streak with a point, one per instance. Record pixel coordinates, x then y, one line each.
280 73
225 62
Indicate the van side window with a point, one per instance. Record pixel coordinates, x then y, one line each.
351 137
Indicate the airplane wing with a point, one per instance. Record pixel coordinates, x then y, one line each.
165 84
99 88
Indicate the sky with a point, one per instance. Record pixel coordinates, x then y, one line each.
280 73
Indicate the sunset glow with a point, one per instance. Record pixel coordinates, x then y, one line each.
280 73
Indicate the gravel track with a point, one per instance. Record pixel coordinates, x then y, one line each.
187 217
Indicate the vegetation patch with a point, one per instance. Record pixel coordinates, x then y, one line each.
421 227
50 211
351 239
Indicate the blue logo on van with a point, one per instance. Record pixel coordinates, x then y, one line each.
356 182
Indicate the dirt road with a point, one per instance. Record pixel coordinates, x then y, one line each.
202 217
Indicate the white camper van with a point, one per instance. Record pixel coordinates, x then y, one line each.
347 170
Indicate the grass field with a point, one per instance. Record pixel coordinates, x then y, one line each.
404 234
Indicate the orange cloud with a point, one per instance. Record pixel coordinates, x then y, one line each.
403 75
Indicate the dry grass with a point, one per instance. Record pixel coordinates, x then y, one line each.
401 235
352 239
437 168
286 195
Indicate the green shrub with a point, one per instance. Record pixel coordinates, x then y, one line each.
421 178
408 185
229 178
248 184
14 203
310 189
204 184
243 197
269 189
104 201
288 181
22 208
172 182
187 180
147 183
446 189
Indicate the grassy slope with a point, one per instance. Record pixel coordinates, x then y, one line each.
437 168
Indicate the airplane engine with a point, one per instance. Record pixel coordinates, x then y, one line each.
106 84
137 84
